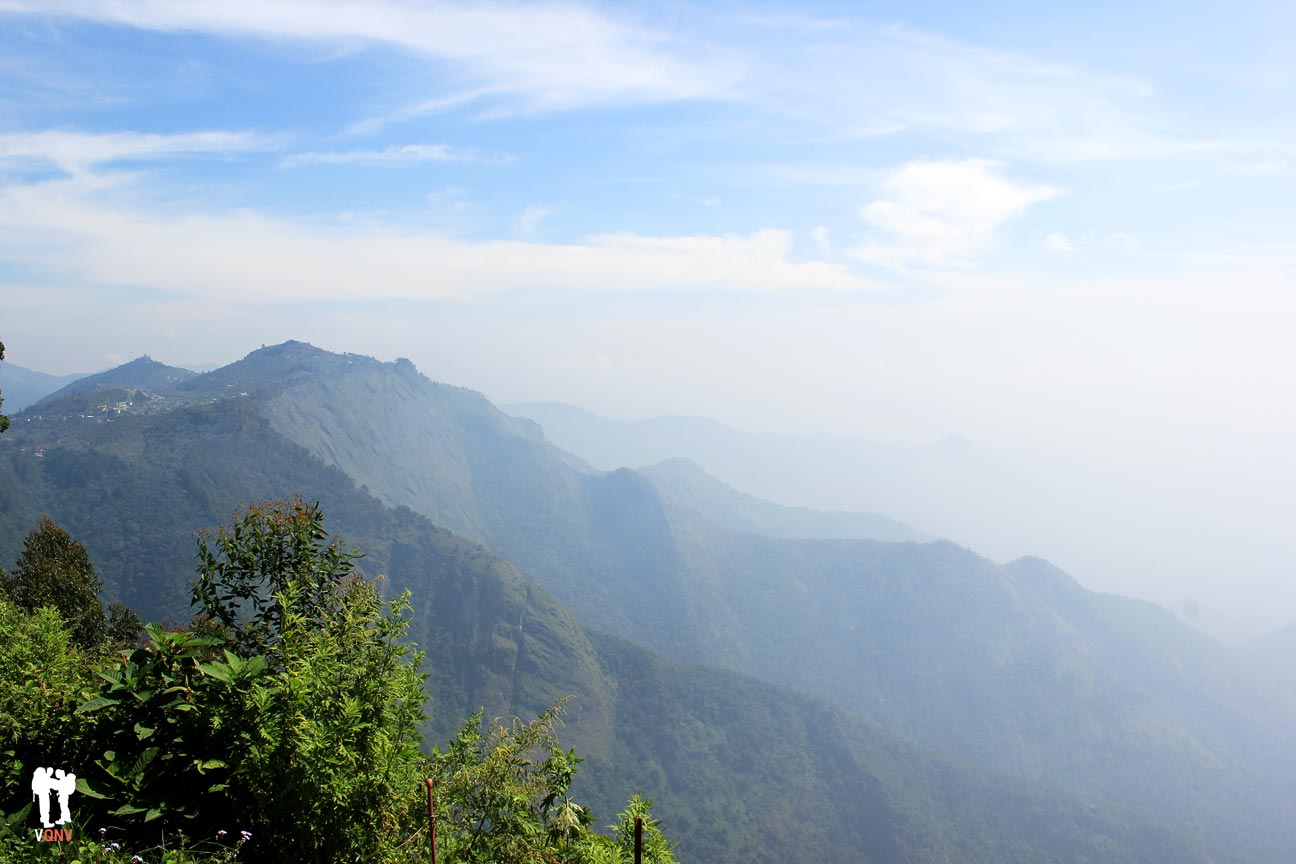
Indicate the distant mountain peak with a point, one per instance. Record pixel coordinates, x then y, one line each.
142 373
681 465
291 347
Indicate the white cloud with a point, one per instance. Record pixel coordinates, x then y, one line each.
81 231
1058 242
1011 103
551 56
76 152
389 157
1259 168
822 237
548 56
941 212
1121 241
531 218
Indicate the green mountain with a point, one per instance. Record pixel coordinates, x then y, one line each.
142 373
990 664
741 770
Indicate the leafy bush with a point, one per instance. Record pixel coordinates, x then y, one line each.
291 707
503 798
45 678
160 740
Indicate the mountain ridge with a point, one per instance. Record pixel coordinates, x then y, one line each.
142 373
926 639
646 723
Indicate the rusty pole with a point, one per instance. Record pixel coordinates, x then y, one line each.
431 820
638 840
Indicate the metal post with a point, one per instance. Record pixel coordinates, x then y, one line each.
638 840
431 820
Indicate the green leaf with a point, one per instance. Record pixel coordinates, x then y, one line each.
83 787
126 810
95 704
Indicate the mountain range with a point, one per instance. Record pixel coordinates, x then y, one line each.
1156 535
22 387
789 684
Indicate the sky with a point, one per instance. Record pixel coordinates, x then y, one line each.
1065 229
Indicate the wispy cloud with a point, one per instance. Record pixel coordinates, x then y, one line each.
554 56
936 213
1009 103
544 56
822 237
74 230
1056 241
75 152
389 157
1259 168
531 217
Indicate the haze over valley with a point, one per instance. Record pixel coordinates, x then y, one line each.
820 432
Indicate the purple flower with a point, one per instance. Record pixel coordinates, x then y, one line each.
246 835
221 833
103 831
116 847
137 859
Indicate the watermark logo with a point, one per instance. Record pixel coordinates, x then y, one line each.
49 784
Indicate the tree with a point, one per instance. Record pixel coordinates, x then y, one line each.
54 570
292 706
503 794
245 568
4 421
503 797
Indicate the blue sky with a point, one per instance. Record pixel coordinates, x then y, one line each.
1065 228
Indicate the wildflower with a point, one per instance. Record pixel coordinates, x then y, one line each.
246 835
137 859
116 847
221 833
103 831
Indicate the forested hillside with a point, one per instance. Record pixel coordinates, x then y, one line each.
142 373
1110 697
740 770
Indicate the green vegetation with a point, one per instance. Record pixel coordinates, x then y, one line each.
741 770
4 421
290 707
501 805
54 570
117 384
1107 697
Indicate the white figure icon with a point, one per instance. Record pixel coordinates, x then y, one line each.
47 780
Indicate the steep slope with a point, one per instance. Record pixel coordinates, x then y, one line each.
448 454
684 483
740 770
142 373
929 640
1017 667
1160 537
